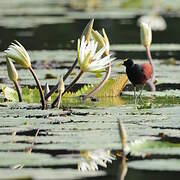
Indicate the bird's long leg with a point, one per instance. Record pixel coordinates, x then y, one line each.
135 97
139 96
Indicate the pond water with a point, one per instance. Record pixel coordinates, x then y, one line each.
49 31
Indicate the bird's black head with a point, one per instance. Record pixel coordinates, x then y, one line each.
128 62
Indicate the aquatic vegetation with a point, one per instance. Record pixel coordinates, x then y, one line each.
19 54
90 60
87 33
146 40
102 41
13 76
93 56
61 89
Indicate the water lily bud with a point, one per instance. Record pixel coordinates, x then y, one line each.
87 30
102 40
146 34
19 54
61 85
98 38
12 73
106 40
46 91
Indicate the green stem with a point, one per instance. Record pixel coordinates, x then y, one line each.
139 96
68 88
59 101
70 70
43 102
102 83
64 78
73 82
18 90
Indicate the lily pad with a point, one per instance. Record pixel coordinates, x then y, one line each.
156 147
156 165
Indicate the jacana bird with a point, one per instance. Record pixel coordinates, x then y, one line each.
138 74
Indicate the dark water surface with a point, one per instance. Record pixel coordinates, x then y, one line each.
65 35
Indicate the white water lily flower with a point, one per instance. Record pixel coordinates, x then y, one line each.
91 159
91 60
19 54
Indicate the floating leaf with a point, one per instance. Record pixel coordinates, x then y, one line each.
148 147
85 89
9 93
170 61
113 87
156 165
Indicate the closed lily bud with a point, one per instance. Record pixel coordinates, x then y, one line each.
87 30
19 54
61 85
12 73
106 40
146 34
102 40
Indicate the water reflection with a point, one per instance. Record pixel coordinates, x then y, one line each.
124 168
123 137
90 160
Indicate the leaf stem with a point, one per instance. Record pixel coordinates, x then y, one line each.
68 88
64 78
102 83
58 101
43 102
148 53
73 82
18 90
